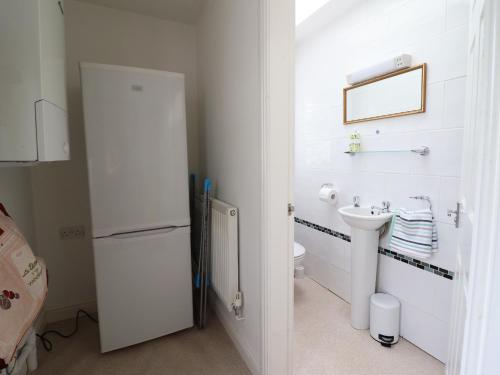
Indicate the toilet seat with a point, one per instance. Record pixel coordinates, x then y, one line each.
298 250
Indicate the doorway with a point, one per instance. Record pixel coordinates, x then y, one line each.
453 84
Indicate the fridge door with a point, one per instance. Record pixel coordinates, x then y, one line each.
135 128
143 286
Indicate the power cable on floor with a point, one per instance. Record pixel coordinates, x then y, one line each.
47 344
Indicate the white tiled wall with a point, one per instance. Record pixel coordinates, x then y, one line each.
432 31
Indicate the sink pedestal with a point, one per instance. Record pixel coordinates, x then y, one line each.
365 223
364 254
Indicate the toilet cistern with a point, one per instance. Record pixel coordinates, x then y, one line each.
365 223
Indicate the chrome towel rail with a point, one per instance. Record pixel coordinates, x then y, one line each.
424 198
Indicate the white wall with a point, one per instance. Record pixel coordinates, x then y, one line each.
228 61
102 35
15 195
432 31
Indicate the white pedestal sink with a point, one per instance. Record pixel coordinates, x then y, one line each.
365 224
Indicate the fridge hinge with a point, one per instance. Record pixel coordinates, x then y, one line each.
291 209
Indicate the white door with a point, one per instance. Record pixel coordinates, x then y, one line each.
143 286
277 78
135 130
473 327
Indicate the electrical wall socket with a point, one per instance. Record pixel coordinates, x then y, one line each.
72 232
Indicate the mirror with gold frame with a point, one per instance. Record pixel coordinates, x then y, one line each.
395 94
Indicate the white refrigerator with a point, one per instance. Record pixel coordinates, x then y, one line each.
135 131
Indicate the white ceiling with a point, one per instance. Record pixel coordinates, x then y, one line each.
320 13
185 11
305 8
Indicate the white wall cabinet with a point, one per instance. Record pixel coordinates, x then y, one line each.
33 109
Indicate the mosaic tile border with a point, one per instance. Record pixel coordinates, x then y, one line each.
438 271
329 231
417 263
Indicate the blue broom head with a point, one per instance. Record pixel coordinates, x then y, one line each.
208 184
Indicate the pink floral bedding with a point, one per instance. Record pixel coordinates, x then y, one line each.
23 287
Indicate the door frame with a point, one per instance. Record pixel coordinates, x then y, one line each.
277 48
277 41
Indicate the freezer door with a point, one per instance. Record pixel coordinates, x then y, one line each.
143 286
135 128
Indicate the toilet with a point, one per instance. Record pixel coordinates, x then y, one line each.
299 253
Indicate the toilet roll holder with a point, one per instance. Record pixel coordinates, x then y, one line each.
332 199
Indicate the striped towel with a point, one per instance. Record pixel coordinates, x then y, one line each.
414 233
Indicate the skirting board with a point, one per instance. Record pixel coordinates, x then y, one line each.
222 315
68 312
40 323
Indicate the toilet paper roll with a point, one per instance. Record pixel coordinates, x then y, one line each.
328 194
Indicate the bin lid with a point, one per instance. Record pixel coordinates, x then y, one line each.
384 300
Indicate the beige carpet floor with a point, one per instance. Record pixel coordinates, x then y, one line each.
198 352
326 344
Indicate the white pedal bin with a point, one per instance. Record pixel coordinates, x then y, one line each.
385 311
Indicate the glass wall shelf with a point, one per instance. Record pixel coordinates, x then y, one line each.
424 150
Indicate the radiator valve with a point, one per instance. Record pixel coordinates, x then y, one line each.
237 305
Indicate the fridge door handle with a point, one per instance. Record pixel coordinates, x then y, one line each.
149 232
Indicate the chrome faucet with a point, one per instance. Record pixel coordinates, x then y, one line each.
355 201
386 205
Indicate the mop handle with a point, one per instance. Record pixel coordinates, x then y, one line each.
207 186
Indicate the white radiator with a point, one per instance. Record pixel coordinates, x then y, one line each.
225 268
